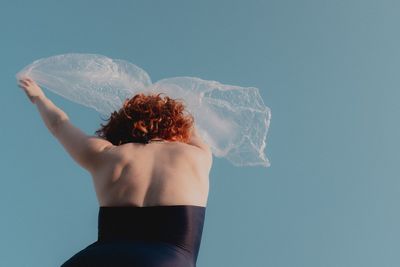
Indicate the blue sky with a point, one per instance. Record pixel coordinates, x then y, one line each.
327 69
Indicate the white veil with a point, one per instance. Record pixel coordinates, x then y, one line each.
233 120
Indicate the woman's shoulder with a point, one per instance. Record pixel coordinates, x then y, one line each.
170 152
201 153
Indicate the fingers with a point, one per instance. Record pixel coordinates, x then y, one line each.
28 84
26 80
23 82
23 85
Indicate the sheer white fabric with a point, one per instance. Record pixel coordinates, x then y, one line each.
233 120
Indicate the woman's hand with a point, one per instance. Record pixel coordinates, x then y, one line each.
32 90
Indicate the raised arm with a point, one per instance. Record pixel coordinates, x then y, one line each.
50 113
85 150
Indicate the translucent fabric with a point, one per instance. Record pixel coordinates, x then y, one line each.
233 120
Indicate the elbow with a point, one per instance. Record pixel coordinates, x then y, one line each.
57 124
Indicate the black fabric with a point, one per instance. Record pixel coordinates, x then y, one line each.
155 236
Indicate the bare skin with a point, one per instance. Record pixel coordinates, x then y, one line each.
134 174
159 173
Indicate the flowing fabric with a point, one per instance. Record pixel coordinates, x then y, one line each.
233 120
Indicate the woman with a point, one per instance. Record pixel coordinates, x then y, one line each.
150 170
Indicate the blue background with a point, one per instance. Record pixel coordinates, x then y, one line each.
329 71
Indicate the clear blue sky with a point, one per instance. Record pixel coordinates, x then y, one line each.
329 71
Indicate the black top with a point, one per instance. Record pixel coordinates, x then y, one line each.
179 225
154 236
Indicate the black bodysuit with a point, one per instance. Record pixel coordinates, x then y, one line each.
154 236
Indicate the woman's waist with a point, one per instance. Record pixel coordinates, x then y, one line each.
178 225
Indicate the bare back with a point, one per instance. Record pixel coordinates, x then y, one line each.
158 173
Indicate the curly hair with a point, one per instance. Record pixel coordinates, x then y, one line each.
144 117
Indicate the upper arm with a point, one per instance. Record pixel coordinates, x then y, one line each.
85 150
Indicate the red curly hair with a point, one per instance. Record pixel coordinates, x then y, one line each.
144 117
